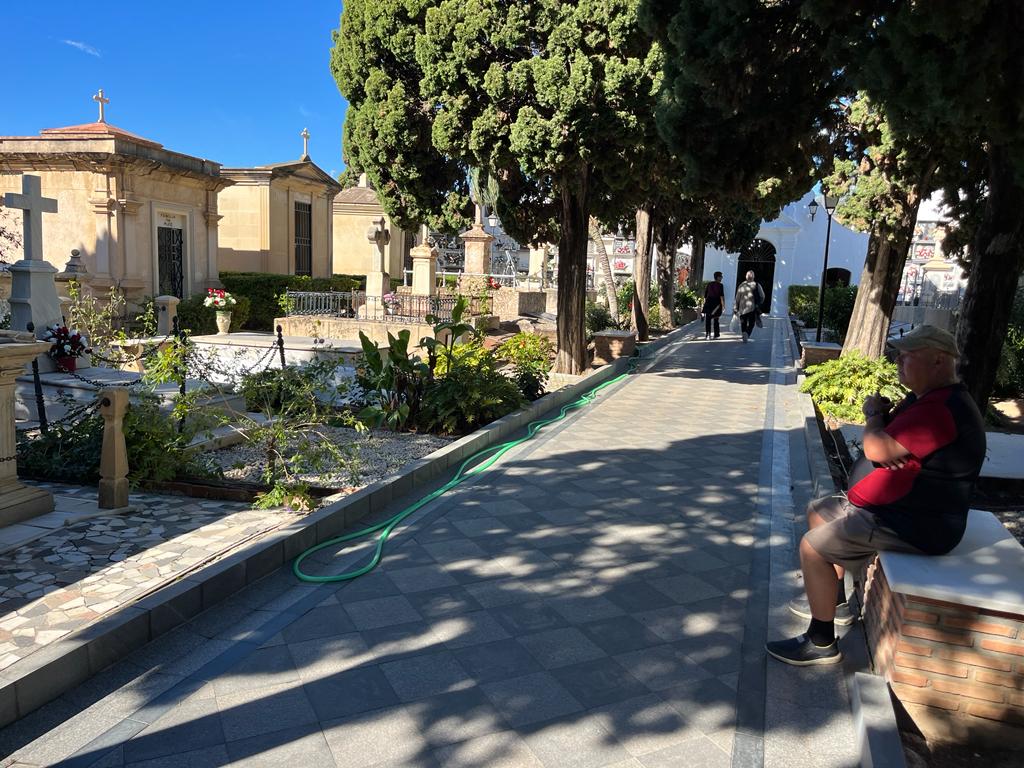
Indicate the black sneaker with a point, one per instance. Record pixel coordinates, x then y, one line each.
800 606
801 652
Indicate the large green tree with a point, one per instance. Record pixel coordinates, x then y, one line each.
540 95
881 176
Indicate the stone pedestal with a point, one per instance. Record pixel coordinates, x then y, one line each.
377 284
478 250
610 345
33 295
166 311
18 502
113 490
424 270
539 264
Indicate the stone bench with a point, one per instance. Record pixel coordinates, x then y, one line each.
817 352
948 634
610 345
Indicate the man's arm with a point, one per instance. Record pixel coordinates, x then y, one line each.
879 446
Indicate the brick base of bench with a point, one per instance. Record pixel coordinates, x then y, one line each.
958 671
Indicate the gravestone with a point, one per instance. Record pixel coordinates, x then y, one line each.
378 282
33 287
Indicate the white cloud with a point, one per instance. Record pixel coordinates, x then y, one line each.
84 47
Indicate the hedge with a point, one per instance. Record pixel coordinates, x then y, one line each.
803 303
202 320
839 299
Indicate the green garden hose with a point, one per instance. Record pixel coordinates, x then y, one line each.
496 452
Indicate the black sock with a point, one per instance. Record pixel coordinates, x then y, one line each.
841 592
822 633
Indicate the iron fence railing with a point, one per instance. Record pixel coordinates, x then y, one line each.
391 308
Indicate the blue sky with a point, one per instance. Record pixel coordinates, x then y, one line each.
233 82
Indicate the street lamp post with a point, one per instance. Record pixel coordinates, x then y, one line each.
830 208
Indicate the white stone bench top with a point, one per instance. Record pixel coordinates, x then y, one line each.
615 334
986 570
263 340
999 452
820 345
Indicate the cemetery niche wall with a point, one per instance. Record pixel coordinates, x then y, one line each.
144 217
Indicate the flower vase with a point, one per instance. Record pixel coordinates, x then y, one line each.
223 322
67 363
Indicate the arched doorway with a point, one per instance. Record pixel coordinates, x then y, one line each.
760 257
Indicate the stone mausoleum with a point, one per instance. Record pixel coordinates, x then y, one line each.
278 218
143 217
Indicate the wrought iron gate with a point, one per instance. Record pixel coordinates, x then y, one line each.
170 261
303 239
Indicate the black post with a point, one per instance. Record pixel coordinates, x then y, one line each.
280 344
824 270
179 343
44 425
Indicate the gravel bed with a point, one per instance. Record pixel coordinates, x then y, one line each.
376 455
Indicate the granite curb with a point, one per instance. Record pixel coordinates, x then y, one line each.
59 667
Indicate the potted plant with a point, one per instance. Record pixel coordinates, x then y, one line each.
67 346
221 301
392 303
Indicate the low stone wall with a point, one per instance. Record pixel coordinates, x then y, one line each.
551 299
512 303
609 346
816 352
324 326
957 669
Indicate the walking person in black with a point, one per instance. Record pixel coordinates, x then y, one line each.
714 305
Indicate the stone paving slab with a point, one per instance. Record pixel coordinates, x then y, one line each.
556 626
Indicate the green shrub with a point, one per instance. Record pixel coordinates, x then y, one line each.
530 356
291 391
263 290
471 392
1010 374
803 304
201 320
839 308
597 318
838 387
624 296
686 299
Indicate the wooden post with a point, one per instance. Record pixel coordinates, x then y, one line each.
114 458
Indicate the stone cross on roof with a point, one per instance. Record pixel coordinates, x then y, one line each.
305 143
98 98
34 205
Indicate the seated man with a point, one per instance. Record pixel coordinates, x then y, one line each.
909 492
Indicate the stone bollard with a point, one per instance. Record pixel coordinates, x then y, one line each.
166 311
114 458
478 250
424 270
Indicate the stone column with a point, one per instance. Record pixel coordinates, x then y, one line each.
378 282
424 270
539 263
166 311
478 250
212 219
17 502
101 206
113 490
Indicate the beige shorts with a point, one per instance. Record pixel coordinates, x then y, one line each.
852 536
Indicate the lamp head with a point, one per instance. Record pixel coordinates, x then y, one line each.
831 201
812 208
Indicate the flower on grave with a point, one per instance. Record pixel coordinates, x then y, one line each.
493 283
391 300
219 299
65 342
619 265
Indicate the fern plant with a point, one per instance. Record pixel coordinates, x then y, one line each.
838 387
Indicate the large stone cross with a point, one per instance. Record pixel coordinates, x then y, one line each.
33 205
98 98
305 143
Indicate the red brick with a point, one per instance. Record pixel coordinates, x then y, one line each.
912 614
1017 699
972 690
925 696
909 678
941 636
914 648
997 678
991 712
932 665
1003 646
976 659
975 624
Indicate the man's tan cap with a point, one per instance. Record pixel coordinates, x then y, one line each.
927 337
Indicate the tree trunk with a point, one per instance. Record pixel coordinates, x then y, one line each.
696 274
997 260
572 275
879 285
667 248
642 275
604 267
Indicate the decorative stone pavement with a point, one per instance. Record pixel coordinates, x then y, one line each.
598 598
72 576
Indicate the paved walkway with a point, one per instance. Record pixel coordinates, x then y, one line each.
599 598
